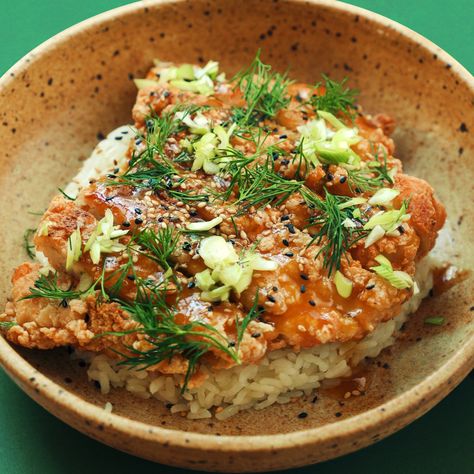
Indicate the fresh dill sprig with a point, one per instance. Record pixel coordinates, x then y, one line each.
70 198
190 340
264 91
253 179
7 324
334 237
48 287
241 326
158 246
369 178
337 97
29 247
151 168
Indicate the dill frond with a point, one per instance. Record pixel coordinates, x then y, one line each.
27 244
335 239
264 91
337 97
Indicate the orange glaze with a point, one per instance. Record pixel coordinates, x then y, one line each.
301 312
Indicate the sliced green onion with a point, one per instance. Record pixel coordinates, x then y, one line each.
332 119
204 225
435 320
332 155
43 229
204 280
74 248
352 202
217 294
388 220
383 197
375 234
103 238
185 71
202 86
343 285
144 83
398 279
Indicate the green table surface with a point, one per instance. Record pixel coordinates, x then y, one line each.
33 441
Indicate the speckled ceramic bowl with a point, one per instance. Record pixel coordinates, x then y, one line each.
57 100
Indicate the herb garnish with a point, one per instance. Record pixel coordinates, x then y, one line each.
29 247
435 320
333 236
336 99
264 92
48 287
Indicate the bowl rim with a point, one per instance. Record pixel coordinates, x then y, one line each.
430 391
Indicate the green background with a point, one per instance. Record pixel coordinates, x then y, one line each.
33 441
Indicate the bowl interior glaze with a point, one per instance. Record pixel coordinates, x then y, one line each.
62 96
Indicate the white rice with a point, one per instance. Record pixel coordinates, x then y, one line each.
278 378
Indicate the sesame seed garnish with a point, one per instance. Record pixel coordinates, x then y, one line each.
291 228
303 276
303 289
285 242
312 302
289 254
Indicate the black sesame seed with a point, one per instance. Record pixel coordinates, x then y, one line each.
289 254
256 335
312 302
131 277
111 176
125 224
291 228
193 213
138 210
284 218
386 366
302 415
187 246
64 303
231 344
342 179
275 155
209 308
118 137
370 287
303 288
401 229
338 414
303 276
285 242
271 298
275 289
329 176
283 136
285 162
191 284
138 221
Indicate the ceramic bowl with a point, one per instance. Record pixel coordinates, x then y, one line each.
60 98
